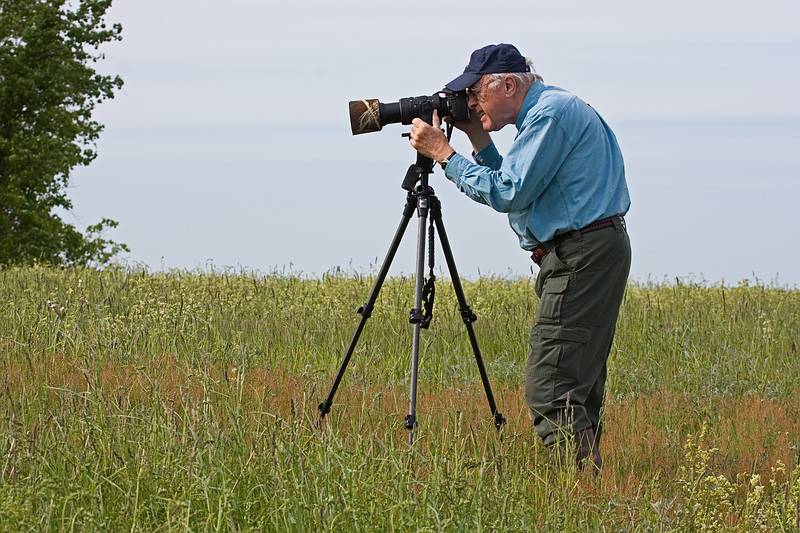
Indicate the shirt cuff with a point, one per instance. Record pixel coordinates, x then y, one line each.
489 157
455 167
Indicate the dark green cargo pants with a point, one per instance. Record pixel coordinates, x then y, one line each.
580 284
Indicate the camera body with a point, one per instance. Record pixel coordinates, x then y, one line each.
371 115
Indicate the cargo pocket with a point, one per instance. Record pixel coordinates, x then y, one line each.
566 342
554 350
553 372
542 363
564 333
549 308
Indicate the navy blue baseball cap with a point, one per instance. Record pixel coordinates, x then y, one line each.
491 59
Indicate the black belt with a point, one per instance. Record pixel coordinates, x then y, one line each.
540 251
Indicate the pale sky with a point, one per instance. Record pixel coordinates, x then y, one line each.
230 142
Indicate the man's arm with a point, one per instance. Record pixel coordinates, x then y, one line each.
536 155
430 141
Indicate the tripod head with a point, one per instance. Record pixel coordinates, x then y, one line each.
418 172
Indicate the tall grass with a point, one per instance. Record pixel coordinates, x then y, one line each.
187 401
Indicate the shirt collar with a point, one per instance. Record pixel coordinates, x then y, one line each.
531 99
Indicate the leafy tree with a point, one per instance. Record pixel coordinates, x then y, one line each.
48 90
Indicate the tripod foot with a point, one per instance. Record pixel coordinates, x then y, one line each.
324 409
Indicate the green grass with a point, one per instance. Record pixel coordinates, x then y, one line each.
187 401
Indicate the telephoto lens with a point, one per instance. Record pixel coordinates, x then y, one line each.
371 115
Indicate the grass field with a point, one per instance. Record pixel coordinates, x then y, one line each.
160 402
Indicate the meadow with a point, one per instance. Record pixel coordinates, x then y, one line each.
136 401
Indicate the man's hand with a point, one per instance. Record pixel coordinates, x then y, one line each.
471 126
430 140
474 129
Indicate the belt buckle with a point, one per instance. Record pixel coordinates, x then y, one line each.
538 254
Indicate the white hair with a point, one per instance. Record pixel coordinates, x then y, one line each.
525 79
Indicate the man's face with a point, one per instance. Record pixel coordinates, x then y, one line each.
495 102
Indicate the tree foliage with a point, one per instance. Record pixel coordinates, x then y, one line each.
48 90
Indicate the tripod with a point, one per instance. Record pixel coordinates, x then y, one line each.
422 198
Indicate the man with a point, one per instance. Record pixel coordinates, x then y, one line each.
563 187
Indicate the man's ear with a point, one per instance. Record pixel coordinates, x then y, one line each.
510 85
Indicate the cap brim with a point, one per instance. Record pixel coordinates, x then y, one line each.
467 79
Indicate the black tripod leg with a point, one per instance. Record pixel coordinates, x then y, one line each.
415 317
466 312
366 310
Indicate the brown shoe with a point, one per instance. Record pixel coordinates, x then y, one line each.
587 449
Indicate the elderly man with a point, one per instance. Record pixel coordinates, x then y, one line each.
563 187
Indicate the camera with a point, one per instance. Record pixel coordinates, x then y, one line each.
371 115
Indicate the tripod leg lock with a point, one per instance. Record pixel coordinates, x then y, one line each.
411 422
415 316
365 311
467 315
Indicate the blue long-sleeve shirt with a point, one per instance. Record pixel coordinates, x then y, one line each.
563 171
